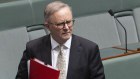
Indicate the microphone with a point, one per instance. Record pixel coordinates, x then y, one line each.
112 14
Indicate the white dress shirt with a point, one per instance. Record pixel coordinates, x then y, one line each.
55 51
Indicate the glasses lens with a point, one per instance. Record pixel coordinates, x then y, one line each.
69 23
62 24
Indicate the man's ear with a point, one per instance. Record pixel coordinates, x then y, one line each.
46 25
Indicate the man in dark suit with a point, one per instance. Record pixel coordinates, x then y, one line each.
81 58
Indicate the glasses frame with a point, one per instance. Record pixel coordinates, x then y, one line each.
62 24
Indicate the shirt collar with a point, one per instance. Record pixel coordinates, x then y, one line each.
67 44
53 43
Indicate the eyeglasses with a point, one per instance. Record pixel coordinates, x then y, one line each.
69 23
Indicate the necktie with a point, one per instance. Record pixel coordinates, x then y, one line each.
61 63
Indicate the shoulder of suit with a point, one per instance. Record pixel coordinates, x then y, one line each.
37 41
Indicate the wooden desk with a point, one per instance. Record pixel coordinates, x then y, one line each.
132 49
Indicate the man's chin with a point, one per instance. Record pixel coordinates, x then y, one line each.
66 37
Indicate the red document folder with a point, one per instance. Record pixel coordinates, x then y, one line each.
40 71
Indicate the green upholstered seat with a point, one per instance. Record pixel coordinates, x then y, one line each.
127 67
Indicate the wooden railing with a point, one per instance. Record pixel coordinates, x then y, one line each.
129 52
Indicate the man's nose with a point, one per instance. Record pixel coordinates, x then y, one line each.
66 26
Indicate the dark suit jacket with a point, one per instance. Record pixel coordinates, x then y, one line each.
84 60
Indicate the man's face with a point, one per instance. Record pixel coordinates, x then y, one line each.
60 25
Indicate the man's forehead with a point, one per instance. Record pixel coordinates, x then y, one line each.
61 15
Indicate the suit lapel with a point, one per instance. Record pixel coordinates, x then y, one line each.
46 50
74 56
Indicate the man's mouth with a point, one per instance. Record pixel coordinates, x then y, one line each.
66 33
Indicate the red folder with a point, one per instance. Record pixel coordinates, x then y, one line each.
40 71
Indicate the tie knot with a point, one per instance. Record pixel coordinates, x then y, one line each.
60 46
61 49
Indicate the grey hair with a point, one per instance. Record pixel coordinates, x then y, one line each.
54 7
